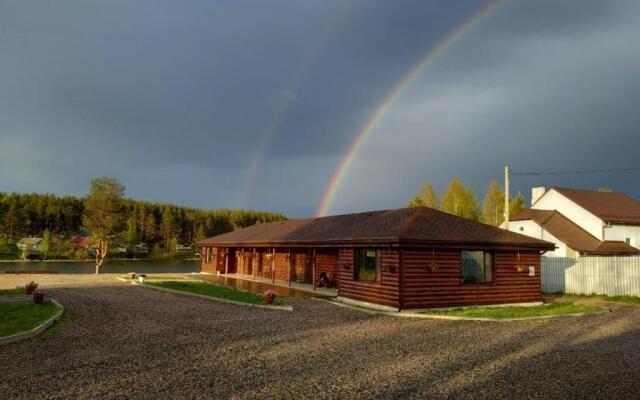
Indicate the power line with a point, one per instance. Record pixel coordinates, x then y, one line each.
578 172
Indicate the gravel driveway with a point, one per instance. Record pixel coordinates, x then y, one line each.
123 341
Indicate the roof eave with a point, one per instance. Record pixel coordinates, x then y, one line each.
610 253
392 242
618 222
506 245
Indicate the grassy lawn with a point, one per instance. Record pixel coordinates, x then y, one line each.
209 289
517 311
21 317
603 297
8 292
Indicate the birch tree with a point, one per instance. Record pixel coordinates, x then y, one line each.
460 200
493 205
104 215
428 197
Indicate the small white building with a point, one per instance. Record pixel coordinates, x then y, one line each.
141 248
581 222
30 244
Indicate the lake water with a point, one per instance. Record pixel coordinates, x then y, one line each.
109 267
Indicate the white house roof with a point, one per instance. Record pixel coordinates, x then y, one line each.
573 235
611 207
30 241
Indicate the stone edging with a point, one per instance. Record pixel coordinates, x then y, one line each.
407 314
454 318
35 331
202 296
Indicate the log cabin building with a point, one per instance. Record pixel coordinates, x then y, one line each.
406 258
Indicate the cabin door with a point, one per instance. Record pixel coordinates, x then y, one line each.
303 267
220 259
231 260
246 263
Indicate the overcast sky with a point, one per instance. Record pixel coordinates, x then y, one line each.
176 98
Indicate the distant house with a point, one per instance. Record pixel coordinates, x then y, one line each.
141 248
120 250
81 241
30 244
183 247
581 222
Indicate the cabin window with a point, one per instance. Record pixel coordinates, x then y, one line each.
477 266
367 265
208 256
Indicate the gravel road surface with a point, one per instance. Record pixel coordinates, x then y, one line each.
125 341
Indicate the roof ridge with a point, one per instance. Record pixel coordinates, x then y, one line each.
576 225
551 214
418 214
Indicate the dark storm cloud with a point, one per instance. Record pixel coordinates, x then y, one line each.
174 98
537 93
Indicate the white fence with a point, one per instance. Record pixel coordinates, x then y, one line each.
613 276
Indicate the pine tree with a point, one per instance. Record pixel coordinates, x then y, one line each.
132 232
168 226
44 245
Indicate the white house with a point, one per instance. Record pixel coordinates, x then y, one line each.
30 244
581 222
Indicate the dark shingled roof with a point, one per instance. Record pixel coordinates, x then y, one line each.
573 235
609 206
419 225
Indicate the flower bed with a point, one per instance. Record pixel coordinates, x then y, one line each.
212 290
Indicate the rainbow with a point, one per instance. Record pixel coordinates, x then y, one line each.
288 97
394 94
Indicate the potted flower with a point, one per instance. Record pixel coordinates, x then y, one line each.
519 268
344 264
433 266
38 297
31 287
269 296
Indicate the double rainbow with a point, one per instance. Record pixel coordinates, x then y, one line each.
287 97
394 94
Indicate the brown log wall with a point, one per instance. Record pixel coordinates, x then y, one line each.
282 265
422 288
299 259
327 262
385 291
209 267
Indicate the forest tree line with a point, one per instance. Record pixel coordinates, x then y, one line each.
25 215
462 201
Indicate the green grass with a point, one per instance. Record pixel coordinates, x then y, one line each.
604 297
9 292
517 311
212 290
21 317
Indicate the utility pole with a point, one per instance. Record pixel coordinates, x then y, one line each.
506 197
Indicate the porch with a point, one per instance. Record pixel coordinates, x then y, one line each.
258 284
